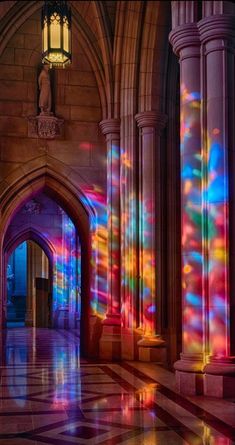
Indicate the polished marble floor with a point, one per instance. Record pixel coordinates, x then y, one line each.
50 396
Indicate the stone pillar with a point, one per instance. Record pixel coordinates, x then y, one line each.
217 34
30 298
151 346
110 342
186 44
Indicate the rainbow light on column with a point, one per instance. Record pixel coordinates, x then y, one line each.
113 207
204 235
129 222
147 283
192 222
217 196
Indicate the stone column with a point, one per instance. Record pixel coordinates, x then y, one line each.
30 298
186 44
217 33
110 343
151 346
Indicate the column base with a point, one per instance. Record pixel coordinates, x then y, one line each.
152 349
130 338
91 345
220 377
110 341
189 375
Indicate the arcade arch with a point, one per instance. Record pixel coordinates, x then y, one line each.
65 195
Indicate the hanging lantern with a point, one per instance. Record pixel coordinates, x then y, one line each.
56 33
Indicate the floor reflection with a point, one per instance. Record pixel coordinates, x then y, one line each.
51 396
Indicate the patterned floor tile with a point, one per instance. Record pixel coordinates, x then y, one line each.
49 396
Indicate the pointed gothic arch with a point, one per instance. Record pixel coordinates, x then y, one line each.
61 188
12 242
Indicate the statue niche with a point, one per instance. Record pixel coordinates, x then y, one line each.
45 125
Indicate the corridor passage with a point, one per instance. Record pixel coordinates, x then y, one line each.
50 396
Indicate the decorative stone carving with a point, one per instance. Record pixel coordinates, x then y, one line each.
49 126
45 126
32 207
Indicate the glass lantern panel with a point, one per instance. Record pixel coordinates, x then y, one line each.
55 33
66 37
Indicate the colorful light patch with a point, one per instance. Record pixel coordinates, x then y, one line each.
218 292
192 222
67 273
128 222
99 248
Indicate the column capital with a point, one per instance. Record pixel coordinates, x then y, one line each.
109 126
185 36
154 119
219 26
183 12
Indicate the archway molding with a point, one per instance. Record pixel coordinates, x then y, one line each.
57 179
12 242
30 234
60 183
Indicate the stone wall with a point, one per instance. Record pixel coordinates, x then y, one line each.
76 100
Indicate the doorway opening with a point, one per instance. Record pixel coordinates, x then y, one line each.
28 287
43 264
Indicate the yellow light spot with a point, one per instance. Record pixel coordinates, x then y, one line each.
187 268
219 254
187 186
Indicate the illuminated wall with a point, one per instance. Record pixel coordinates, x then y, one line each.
99 252
67 275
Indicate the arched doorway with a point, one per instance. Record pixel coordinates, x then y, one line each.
84 221
29 286
41 219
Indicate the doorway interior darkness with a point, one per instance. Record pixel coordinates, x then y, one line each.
49 245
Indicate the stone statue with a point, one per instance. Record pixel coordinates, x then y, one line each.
45 90
45 125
